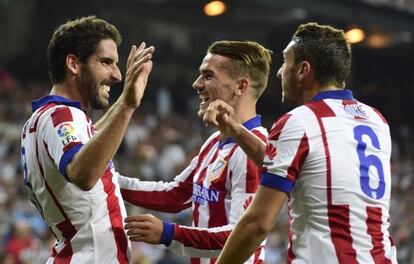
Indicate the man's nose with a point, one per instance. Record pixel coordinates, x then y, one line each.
116 75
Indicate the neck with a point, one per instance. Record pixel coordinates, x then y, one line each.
315 89
243 114
70 92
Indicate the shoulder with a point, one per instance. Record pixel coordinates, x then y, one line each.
260 132
60 114
211 140
289 124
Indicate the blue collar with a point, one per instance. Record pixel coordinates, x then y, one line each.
54 99
334 94
249 124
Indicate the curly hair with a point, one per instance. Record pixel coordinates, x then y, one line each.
79 37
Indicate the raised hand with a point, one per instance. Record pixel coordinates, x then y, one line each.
144 228
221 115
138 68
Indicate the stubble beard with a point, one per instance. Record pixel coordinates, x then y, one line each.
92 90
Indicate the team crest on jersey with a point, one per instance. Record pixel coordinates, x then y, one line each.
66 133
217 169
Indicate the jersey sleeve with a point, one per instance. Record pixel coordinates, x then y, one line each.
286 151
64 134
171 197
243 180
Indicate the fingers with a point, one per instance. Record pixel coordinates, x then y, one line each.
139 57
134 52
215 113
139 66
138 218
131 54
141 228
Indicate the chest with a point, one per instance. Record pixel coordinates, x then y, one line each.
212 179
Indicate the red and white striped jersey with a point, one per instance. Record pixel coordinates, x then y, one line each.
88 225
333 156
219 184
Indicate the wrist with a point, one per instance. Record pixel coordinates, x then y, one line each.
237 131
167 235
128 104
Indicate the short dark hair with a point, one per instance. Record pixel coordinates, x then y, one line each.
248 57
79 37
326 49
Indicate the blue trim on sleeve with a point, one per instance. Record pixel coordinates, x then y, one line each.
276 182
167 233
334 94
66 158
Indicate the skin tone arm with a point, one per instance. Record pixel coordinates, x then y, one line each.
88 165
222 116
253 227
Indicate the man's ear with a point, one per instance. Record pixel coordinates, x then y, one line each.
305 70
72 63
243 84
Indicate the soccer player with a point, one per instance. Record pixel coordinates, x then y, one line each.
220 181
330 156
66 160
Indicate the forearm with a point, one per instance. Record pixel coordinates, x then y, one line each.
253 226
171 197
243 241
89 164
252 145
104 119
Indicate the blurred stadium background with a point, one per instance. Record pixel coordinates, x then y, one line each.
165 132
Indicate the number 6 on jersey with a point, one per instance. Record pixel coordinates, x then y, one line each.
366 161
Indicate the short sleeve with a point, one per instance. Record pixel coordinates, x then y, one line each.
65 131
286 150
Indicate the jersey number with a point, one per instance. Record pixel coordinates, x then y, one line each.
366 161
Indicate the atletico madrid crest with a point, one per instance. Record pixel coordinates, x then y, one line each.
216 169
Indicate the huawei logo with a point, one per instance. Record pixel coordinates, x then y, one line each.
270 151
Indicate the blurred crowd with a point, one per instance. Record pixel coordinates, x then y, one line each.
161 140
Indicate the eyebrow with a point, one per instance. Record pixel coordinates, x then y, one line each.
204 71
108 59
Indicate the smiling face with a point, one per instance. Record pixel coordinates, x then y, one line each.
99 73
215 81
292 94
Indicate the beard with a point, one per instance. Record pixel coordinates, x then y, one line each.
91 86
291 93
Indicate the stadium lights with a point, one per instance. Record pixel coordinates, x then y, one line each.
379 41
215 8
355 35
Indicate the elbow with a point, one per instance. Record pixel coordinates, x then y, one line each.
256 225
85 181
84 185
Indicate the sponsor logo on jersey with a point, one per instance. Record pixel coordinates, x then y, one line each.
216 169
201 194
66 133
